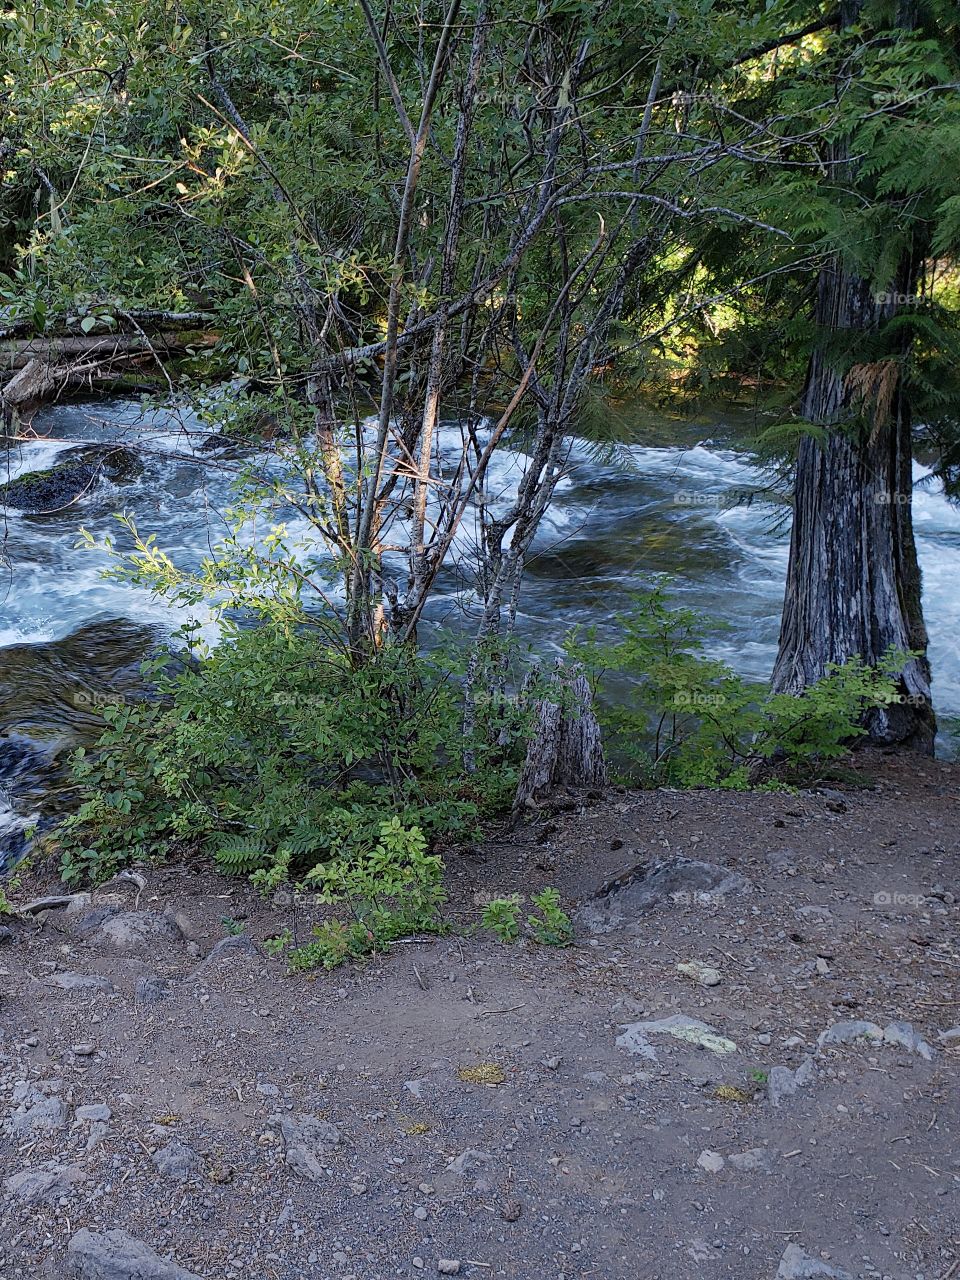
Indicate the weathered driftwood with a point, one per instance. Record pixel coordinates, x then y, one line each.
18 352
125 322
46 367
565 748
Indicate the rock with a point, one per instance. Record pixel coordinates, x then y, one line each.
470 1166
711 1161
6 935
784 1083
903 1034
86 1049
153 990
704 974
93 1112
309 1142
69 903
678 880
949 1037
113 1255
127 930
47 1183
176 1161
76 473
680 1027
756 1160
818 915
448 1266
37 1112
797 1265
235 944
81 982
849 1033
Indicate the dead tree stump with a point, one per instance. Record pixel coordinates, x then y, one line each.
565 748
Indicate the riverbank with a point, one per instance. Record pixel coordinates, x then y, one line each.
500 1107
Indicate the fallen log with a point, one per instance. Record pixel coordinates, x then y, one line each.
19 352
45 368
121 322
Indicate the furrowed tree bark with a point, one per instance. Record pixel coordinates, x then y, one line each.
565 747
853 581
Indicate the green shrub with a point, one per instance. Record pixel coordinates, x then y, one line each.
502 917
552 927
392 891
686 720
274 753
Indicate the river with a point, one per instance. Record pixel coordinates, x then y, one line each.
670 502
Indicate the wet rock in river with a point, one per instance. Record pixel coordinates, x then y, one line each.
76 473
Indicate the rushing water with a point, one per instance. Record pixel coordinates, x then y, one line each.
69 638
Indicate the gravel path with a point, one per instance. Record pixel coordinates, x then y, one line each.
748 1081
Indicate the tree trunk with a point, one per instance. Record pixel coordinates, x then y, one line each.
565 747
853 583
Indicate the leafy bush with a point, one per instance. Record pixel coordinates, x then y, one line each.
275 754
394 890
687 720
502 917
552 927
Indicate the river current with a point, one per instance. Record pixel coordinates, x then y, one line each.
681 501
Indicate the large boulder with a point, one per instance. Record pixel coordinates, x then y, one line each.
668 881
76 473
113 1255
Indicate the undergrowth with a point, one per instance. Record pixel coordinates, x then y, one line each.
278 758
672 715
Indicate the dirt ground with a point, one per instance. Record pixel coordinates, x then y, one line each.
163 1077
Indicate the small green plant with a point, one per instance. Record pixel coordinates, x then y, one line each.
552 927
683 719
279 943
6 906
232 927
759 1076
391 891
549 925
502 917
